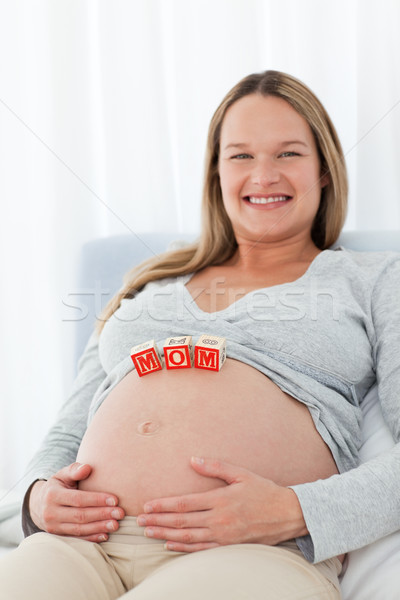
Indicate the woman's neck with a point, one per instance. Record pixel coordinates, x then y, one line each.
258 256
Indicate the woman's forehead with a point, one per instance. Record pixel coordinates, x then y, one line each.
257 117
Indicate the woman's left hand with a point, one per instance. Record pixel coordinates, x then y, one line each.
249 509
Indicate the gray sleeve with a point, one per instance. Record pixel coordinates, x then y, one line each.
356 508
351 510
60 446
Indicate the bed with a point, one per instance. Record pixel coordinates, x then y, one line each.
370 573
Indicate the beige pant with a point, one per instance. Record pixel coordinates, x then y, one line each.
133 567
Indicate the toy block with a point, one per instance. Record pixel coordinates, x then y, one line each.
178 352
210 352
146 358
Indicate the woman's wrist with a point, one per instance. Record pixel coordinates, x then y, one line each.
28 524
296 524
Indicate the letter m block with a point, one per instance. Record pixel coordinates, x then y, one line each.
146 358
210 352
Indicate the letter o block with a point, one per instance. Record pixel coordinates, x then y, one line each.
146 358
210 352
178 352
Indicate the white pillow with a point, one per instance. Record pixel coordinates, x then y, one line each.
373 572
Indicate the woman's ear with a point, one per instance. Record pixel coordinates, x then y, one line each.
325 179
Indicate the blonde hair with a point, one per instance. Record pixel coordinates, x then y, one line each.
217 242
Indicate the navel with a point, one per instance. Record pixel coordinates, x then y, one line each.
148 428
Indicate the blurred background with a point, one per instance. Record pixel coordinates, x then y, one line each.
104 109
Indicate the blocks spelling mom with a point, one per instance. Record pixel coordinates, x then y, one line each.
209 353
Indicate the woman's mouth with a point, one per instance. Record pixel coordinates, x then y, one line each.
265 200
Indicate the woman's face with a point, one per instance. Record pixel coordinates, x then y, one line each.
269 170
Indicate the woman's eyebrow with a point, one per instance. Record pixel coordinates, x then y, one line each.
289 143
285 143
237 145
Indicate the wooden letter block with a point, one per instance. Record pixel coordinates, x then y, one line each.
210 352
146 358
178 352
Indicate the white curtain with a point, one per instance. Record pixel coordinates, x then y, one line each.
104 108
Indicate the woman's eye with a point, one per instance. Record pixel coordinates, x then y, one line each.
241 156
285 154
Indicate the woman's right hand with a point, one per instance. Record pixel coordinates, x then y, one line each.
58 506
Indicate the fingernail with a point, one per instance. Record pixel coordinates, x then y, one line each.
116 514
111 502
110 525
148 532
80 467
169 546
102 538
141 521
148 508
197 460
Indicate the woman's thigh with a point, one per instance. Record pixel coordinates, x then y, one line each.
49 567
238 572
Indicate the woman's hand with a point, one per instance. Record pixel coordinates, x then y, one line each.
249 509
58 506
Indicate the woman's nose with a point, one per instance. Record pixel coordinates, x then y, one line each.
266 173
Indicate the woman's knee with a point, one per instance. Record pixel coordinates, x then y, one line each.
45 567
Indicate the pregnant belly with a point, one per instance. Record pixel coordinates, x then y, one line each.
140 441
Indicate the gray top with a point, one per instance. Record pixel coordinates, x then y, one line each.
324 339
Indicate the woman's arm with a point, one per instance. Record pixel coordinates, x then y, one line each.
356 508
351 510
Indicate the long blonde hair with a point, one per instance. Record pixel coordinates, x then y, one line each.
217 242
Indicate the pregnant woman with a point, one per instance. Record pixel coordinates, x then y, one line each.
240 483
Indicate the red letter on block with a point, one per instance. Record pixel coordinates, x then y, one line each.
210 352
206 359
146 358
178 352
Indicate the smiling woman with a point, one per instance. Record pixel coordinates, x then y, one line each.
258 462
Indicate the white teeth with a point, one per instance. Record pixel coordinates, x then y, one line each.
268 200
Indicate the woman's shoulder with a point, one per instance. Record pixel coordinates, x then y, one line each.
163 282
362 270
375 261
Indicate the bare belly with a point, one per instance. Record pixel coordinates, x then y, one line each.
141 439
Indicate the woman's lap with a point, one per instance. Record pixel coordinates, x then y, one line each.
137 568
243 571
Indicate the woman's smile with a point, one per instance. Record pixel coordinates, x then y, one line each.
267 202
